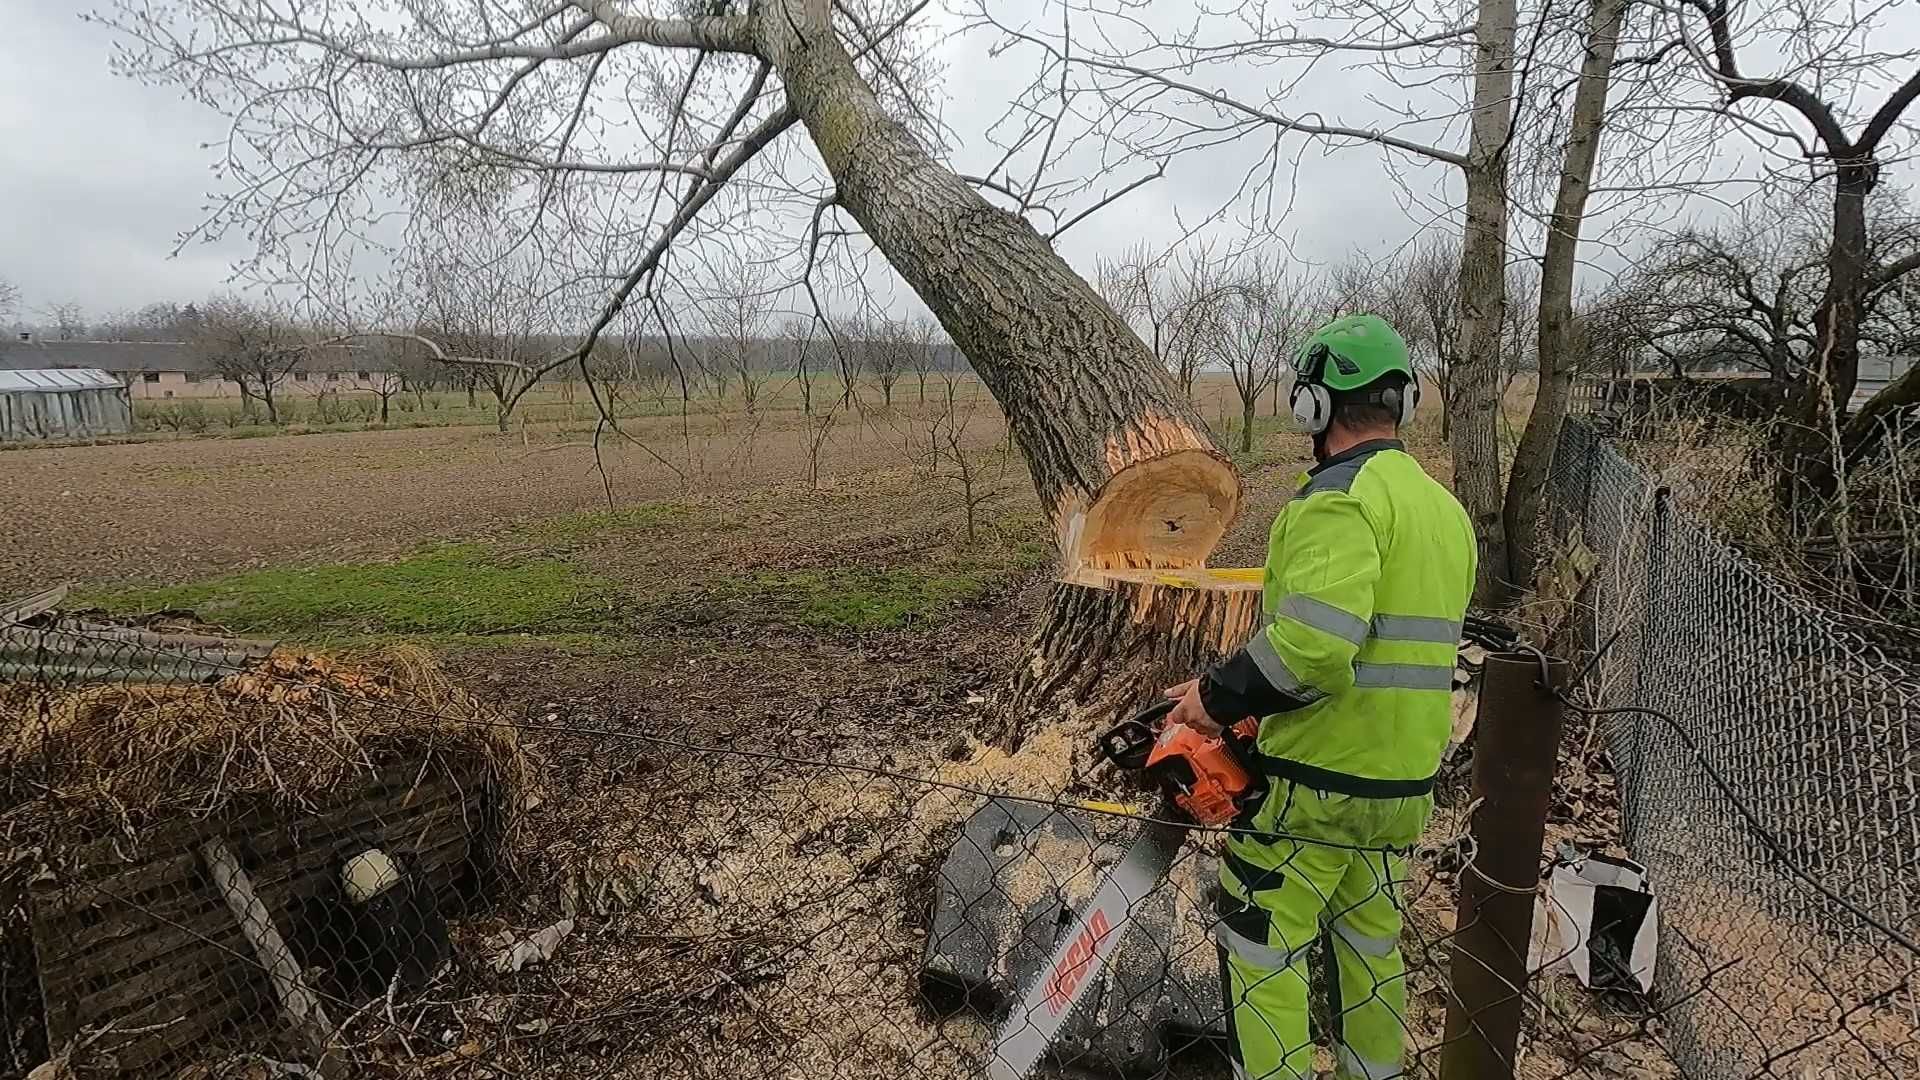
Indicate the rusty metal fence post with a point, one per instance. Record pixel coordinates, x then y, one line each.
1516 737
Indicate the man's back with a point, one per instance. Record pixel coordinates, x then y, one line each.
1369 572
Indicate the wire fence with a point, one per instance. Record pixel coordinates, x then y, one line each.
1779 812
223 859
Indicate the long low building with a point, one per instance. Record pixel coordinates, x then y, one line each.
178 369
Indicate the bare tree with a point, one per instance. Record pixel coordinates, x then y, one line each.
1163 86
1429 283
153 322
483 305
805 354
9 306
1170 300
1249 334
252 343
888 348
69 319
1746 290
493 104
388 374
1831 70
419 372
740 313
1519 334
923 335
976 475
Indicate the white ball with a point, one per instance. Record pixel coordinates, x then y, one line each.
368 874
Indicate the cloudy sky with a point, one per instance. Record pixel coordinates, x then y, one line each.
102 173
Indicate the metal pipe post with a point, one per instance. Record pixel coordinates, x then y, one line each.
1516 737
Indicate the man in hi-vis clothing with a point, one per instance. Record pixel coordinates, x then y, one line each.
1369 571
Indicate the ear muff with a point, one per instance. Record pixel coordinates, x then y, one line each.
1311 402
1312 406
1402 401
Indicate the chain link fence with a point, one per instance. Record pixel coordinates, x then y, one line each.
1779 810
223 859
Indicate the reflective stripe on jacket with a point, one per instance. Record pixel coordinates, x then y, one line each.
1369 571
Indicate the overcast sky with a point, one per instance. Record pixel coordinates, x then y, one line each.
101 174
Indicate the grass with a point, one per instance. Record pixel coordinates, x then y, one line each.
445 590
528 586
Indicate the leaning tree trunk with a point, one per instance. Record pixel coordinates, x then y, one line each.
1474 394
1533 459
1122 463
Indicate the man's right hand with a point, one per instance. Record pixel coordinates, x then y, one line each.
1188 709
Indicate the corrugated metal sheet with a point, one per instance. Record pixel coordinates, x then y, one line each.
62 404
57 379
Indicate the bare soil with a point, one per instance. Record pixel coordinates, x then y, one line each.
166 511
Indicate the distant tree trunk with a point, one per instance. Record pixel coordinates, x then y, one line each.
1811 473
1121 462
1475 399
1247 407
266 398
1534 457
473 402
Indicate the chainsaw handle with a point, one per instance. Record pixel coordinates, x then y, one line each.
1127 743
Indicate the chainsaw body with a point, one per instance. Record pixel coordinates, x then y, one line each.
1211 778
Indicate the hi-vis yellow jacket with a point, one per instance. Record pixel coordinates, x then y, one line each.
1370 568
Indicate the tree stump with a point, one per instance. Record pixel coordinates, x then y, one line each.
1111 640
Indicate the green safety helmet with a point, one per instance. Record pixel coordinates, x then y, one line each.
1350 354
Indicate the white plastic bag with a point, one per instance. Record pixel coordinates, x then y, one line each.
1607 920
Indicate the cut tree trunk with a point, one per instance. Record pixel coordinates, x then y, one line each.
1122 462
1158 628
1533 459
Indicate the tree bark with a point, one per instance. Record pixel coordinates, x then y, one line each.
1811 473
1123 465
1122 462
1158 628
1247 405
1534 457
1474 393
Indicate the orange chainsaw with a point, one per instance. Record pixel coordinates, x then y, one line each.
1210 780
1209 777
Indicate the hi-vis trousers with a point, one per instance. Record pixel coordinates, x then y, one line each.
1311 865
